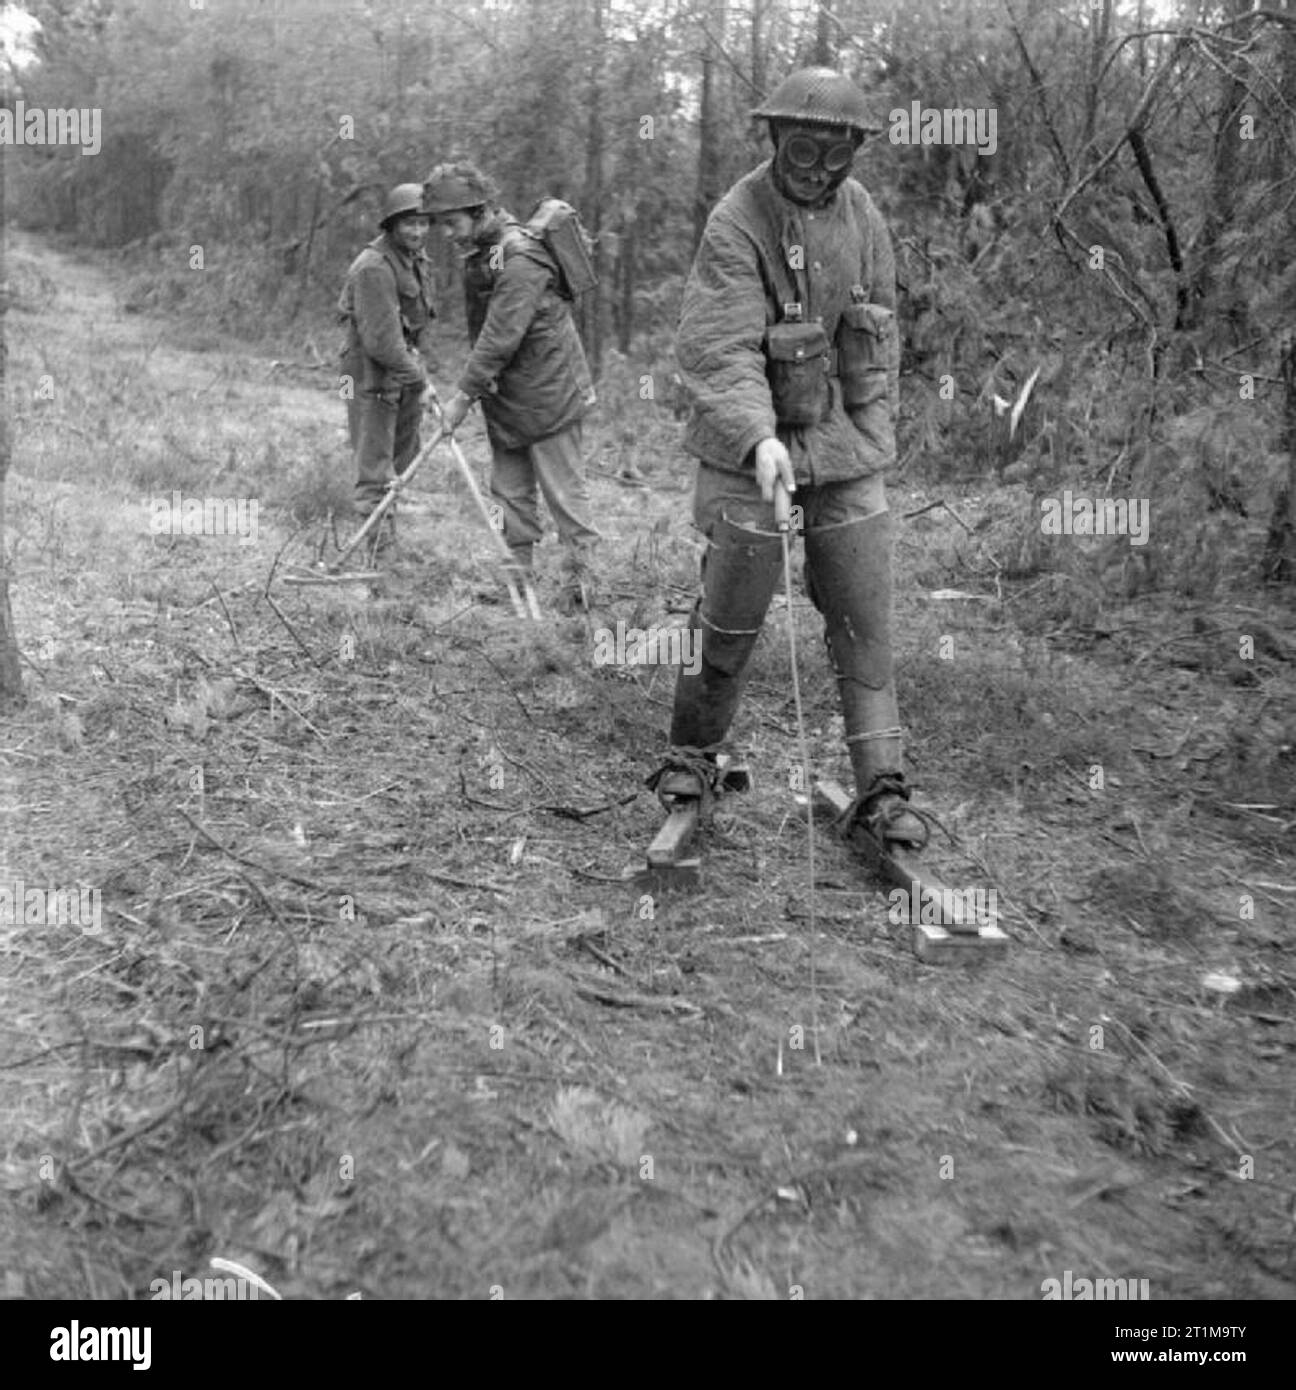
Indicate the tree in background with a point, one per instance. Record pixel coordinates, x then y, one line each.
11 684
265 133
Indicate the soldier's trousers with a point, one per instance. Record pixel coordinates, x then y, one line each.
847 532
384 427
552 466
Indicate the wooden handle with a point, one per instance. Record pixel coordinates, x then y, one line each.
782 505
384 505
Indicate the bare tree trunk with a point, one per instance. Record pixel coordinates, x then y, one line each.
1219 212
1287 43
758 54
1144 161
626 271
824 56
708 176
322 173
1101 21
11 686
593 211
1279 564
627 253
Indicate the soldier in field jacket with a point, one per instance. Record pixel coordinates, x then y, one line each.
386 307
526 367
789 350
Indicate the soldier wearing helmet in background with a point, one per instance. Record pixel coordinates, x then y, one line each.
386 306
789 350
527 368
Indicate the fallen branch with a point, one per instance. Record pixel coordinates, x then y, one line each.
940 502
576 813
585 944
659 1003
292 631
275 695
128 1136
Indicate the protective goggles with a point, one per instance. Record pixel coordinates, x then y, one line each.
804 152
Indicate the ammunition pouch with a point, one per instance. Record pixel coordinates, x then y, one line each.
798 363
868 352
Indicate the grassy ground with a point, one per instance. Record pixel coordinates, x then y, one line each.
371 1008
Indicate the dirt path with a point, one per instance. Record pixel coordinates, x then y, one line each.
441 1050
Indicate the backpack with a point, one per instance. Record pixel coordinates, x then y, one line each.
557 226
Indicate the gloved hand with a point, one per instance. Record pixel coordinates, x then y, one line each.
455 409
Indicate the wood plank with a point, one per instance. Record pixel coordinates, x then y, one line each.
670 842
957 931
930 942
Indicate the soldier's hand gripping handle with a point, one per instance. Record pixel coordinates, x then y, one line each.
452 414
773 464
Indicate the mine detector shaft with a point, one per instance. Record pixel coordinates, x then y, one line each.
522 594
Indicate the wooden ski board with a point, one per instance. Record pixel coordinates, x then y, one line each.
669 862
668 859
673 839
956 939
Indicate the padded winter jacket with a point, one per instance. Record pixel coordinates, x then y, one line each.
527 366
386 305
742 275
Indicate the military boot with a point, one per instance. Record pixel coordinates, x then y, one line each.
848 574
881 795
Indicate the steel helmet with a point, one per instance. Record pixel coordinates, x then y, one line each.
818 96
404 198
455 187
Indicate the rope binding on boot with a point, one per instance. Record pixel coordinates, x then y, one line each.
879 808
687 773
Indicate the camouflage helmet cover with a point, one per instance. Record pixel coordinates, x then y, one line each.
818 96
455 187
404 198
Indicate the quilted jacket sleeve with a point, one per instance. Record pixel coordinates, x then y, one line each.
377 318
719 341
513 305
